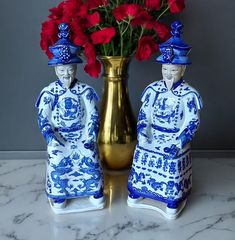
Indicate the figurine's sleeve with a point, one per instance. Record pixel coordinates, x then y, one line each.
92 123
144 113
192 106
44 104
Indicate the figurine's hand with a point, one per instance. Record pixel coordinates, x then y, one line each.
89 145
142 140
184 138
55 143
172 150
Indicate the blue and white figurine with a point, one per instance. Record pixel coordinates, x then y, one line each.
69 121
161 174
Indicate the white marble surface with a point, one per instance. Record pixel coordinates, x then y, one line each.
26 215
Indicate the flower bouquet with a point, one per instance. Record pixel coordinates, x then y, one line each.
111 27
109 32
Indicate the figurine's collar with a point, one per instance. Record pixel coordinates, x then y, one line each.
175 85
71 85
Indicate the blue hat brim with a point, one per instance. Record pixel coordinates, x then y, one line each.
177 60
55 61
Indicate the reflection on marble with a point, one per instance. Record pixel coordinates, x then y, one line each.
26 215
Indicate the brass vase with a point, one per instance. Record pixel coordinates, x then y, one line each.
117 135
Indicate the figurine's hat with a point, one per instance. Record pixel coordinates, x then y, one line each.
64 51
174 50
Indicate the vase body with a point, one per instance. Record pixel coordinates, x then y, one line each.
117 135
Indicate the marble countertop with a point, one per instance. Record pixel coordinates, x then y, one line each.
26 215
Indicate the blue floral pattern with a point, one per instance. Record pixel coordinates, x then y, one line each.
69 119
168 120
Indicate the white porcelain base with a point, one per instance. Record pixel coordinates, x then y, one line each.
160 207
79 205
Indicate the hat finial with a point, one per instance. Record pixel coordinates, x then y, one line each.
63 31
176 27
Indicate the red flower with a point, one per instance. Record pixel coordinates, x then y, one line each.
103 36
144 20
127 11
89 51
153 4
48 36
57 12
162 30
146 46
93 66
75 8
84 16
93 69
77 34
96 3
93 19
176 6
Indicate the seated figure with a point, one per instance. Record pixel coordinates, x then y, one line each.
161 174
69 121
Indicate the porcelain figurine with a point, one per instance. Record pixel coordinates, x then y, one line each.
161 174
69 121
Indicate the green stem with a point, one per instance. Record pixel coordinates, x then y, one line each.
163 12
128 24
103 45
141 33
112 46
121 45
122 34
105 50
121 38
129 43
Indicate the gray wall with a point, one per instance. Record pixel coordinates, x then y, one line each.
209 28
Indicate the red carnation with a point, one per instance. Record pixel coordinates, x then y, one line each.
49 35
77 34
93 69
93 66
127 11
144 20
82 11
72 7
103 36
89 51
176 6
162 30
92 4
146 46
80 39
93 19
57 12
153 4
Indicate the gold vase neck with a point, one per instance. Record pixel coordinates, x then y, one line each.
115 67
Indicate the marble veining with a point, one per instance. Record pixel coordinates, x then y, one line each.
26 215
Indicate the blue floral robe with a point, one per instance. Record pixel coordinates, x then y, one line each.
167 122
70 116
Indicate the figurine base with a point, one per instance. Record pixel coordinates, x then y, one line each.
160 207
76 205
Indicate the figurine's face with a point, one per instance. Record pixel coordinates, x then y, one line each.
66 73
172 73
